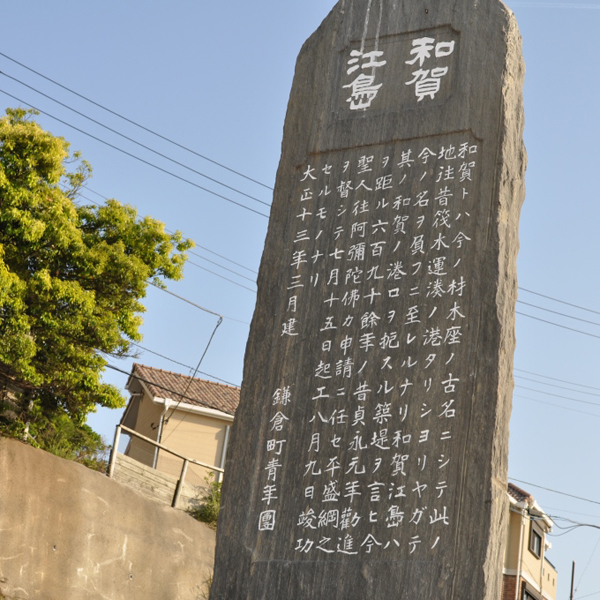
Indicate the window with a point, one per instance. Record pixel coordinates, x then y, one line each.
535 541
528 596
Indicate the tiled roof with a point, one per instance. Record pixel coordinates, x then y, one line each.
518 494
188 390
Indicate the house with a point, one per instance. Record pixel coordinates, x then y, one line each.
527 573
188 415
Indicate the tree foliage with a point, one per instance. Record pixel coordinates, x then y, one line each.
71 277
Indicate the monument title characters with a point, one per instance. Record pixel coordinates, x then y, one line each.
369 453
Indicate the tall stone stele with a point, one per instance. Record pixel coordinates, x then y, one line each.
369 452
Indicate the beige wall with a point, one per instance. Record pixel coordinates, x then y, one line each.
69 533
549 580
195 436
192 435
146 423
531 565
512 547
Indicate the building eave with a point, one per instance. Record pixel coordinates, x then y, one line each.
194 409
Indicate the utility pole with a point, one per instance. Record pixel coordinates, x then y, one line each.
572 580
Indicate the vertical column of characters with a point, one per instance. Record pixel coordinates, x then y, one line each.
320 486
281 422
442 251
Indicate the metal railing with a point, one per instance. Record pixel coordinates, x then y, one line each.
186 460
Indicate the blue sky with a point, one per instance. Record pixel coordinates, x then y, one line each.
215 77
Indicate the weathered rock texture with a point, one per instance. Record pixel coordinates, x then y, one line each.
369 452
69 533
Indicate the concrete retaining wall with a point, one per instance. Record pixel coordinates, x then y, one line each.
69 533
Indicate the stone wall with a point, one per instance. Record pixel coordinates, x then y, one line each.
69 533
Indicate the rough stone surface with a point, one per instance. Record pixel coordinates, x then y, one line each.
369 453
69 533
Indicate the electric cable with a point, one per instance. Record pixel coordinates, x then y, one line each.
196 305
555 312
168 417
588 595
558 395
560 301
583 412
212 262
223 277
559 387
183 364
171 231
591 387
198 255
557 325
160 387
555 491
138 158
133 141
64 87
587 565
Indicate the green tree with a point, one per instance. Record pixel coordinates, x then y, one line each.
71 279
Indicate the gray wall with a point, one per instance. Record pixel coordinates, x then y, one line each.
69 533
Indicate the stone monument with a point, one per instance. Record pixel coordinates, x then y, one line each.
369 452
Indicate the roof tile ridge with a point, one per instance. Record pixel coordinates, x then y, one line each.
224 385
520 490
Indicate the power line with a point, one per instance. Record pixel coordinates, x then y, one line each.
171 231
223 277
196 305
188 301
559 387
555 491
217 181
183 364
583 412
557 325
555 312
224 258
587 565
192 252
558 396
560 301
204 269
555 379
212 262
161 355
138 158
572 512
167 418
64 87
161 387
588 595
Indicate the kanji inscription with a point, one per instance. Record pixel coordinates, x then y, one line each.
369 453
378 244
402 71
